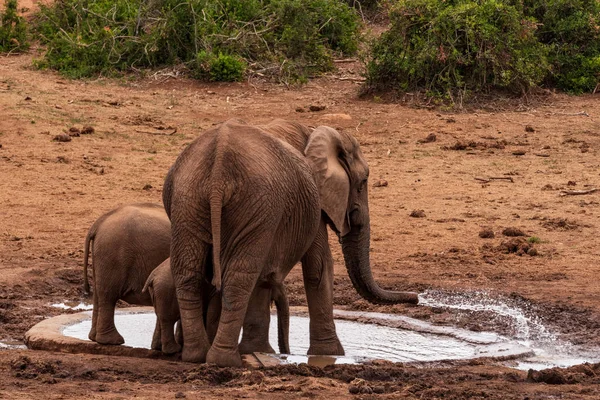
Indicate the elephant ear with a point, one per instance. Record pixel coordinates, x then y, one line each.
323 152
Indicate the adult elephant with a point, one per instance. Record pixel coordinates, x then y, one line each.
261 198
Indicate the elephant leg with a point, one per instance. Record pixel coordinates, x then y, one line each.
255 335
156 339
106 331
283 318
188 260
92 334
239 280
169 345
317 271
213 314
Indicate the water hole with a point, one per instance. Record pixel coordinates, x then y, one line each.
525 343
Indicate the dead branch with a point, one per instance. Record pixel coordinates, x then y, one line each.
160 132
347 78
345 60
495 178
582 113
577 192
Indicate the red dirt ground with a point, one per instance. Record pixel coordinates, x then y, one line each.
51 192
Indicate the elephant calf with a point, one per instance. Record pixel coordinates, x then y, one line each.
161 287
127 244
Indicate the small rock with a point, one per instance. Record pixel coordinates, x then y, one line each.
429 139
147 186
62 138
487 233
450 120
73 131
211 92
532 252
62 160
28 98
300 109
418 214
87 130
0 145
529 128
378 389
518 153
180 395
44 132
366 390
547 187
315 108
571 183
513 232
380 183
353 389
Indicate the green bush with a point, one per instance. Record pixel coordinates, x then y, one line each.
218 39
443 46
13 30
219 68
571 30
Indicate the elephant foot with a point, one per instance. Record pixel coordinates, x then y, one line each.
171 348
193 354
156 345
329 348
224 358
92 335
112 337
249 348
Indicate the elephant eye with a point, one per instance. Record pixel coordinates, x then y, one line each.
362 184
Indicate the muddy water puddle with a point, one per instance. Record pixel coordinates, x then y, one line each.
525 341
361 341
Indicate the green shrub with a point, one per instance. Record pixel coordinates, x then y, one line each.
571 30
13 30
443 46
219 68
218 39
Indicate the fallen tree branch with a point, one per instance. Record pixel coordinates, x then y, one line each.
161 132
347 78
577 192
495 178
582 113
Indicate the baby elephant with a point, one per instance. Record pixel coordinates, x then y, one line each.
127 244
161 287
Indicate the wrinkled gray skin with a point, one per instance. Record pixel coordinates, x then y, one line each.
260 200
161 287
127 244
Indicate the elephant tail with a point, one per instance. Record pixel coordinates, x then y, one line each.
86 253
216 203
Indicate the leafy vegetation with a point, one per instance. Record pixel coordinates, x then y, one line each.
219 40
444 46
571 31
13 30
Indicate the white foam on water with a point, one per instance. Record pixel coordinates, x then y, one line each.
527 328
73 306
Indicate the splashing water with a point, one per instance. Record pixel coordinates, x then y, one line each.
525 326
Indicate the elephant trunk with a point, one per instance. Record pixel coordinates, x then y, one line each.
355 246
